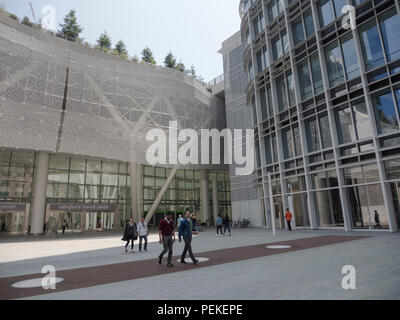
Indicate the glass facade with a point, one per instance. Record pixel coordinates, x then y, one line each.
330 132
77 182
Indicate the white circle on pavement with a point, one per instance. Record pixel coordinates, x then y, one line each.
279 247
32 283
188 260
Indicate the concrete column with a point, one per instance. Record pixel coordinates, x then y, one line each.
215 198
205 211
39 193
136 190
134 199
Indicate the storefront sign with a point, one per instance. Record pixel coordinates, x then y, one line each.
88 207
12 206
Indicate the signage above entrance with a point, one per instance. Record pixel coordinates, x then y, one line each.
79 207
12 206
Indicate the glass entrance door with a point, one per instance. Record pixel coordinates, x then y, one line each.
13 222
98 221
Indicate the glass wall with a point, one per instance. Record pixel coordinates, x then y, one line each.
365 198
386 113
183 192
16 175
80 180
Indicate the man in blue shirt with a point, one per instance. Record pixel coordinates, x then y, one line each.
186 230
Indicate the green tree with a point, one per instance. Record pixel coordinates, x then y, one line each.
170 61
180 66
104 41
147 56
120 48
70 29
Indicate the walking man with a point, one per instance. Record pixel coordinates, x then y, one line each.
143 232
167 238
64 225
186 230
219 223
288 217
227 222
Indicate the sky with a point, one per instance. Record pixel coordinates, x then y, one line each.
192 29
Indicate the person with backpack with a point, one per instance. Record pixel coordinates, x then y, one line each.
227 222
219 222
143 232
130 234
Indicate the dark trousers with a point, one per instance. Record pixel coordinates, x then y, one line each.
167 243
289 225
145 243
188 247
63 229
227 227
131 238
219 228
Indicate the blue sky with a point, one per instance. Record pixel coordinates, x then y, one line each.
192 29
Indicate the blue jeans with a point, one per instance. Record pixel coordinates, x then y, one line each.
227 227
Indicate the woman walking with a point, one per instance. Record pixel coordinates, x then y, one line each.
130 234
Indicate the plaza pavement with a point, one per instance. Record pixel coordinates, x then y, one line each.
313 273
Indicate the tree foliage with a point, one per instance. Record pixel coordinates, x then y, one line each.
70 29
147 56
170 61
104 41
120 48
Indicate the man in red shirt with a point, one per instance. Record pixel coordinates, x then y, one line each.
167 237
288 217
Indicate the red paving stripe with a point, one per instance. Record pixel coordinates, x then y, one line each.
99 275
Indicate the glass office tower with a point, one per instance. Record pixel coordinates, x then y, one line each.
325 103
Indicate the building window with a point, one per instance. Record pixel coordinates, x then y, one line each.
371 45
326 138
262 59
277 50
326 15
264 105
313 139
385 112
334 64
349 57
258 24
305 80
268 153
308 23
254 111
274 8
318 132
316 74
352 122
390 24
302 27
250 71
287 143
280 45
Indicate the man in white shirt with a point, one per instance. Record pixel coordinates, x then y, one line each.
143 232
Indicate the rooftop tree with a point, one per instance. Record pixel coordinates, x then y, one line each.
170 61
70 29
120 49
147 56
104 41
